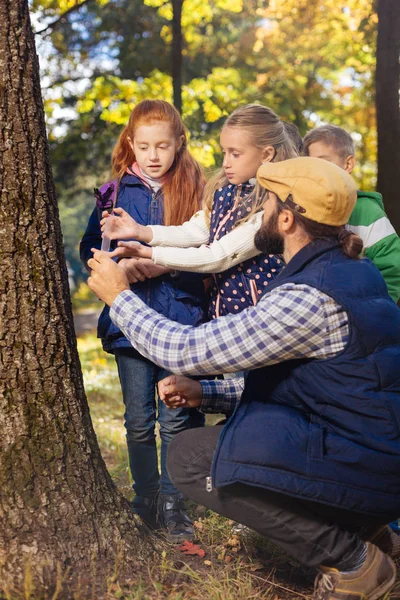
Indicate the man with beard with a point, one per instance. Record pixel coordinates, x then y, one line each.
311 456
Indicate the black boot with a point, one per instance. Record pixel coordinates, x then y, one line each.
173 519
146 508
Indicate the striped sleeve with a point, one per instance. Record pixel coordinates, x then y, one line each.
380 240
221 395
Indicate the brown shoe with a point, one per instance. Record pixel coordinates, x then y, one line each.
376 576
387 540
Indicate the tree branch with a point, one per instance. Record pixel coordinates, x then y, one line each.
54 24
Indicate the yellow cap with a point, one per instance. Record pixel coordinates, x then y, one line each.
320 190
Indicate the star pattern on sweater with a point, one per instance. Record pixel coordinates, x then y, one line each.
234 256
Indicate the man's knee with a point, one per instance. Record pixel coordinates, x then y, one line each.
177 455
190 455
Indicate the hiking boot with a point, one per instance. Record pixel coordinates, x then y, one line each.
173 519
387 540
376 576
146 508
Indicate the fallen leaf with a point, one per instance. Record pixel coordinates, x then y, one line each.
228 558
233 541
208 563
190 548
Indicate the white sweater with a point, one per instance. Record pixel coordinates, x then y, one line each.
184 247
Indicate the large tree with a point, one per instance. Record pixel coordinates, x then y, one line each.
58 505
387 105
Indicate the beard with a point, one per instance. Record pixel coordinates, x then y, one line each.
268 239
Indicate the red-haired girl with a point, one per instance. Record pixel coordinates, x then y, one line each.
157 182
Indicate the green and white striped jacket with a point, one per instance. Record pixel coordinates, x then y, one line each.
381 242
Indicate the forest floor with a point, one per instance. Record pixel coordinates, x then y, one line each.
224 565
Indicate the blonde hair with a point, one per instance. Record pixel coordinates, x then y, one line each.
183 188
264 128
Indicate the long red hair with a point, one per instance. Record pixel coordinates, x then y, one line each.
185 180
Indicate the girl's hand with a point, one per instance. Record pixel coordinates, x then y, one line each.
120 226
134 270
177 391
129 249
139 269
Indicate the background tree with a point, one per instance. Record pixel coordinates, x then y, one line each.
387 106
58 505
176 54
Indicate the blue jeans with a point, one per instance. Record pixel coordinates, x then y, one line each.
139 378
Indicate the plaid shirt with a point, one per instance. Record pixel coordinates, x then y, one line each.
292 321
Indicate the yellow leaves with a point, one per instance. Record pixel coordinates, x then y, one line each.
116 97
204 152
166 34
58 7
86 105
258 45
195 12
231 5
155 3
212 112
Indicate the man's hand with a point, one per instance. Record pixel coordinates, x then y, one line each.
178 391
120 225
131 249
107 279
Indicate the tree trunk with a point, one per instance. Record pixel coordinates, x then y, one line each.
387 106
176 55
58 505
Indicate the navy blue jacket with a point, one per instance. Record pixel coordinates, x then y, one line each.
240 286
326 430
179 298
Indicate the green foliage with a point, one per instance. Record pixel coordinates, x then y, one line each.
312 61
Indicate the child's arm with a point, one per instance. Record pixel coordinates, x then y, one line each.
385 254
192 233
233 248
381 242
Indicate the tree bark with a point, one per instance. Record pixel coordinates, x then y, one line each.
58 505
387 106
176 54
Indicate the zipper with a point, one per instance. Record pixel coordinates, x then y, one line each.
154 218
209 486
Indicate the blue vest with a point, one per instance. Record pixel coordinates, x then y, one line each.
326 430
179 298
240 286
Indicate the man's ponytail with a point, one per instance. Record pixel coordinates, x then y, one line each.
351 243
